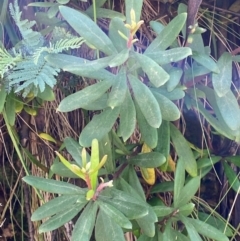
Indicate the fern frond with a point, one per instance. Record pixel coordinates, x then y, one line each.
30 37
7 61
28 77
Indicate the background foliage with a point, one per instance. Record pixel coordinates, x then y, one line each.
144 141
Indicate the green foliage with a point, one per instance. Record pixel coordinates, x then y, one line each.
137 100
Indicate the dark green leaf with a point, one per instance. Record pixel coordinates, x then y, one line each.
85 223
205 61
156 74
163 187
218 223
222 81
228 106
130 206
10 109
163 144
74 149
53 186
187 192
88 30
61 218
168 34
115 215
83 97
169 110
148 160
106 229
134 182
3 95
179 180
192 233
232 177
99 126
183 150
127 117
207 230
147 225
118 91
206 161
146 101
54 206
170 55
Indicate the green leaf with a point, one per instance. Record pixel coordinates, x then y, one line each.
146 101
176 94
77 65
187 209
192 233
222 81
61 218
3 95
85 223
163 187
183 150
156 74
130 206
116 25
52 11
119 59
168 56
162 211
179 180
99 126
10 109
98 104
148 160
63 1
118 91
175 77
147 225
84 97
187 192
105 148
106 228
156 26
88 30
134 182
105 13
232 177
127 117
136 5
163 144
53 186
60 169
148 133
168 34
208 161
169 110
229 109
54 206
207 230
205 61
74 149
47 94
41 4
114 215
219 224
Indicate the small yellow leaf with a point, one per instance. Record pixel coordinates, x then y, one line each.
18 106
30 111
47 137
90 194
146 148
171 164
148 175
